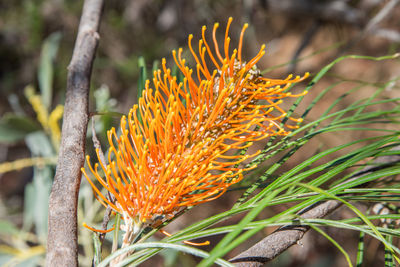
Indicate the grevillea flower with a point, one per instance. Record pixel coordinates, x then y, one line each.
175 147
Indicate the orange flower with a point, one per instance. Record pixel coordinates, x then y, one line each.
179 154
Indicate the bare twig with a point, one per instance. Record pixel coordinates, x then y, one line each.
371 25
305 41
391 35
287 236
107 214
62 245
383 13
283 238
332 11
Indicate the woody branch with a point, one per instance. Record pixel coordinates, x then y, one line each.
62 245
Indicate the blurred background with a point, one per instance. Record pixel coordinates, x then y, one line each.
36 43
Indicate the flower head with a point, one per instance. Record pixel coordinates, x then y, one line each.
174 150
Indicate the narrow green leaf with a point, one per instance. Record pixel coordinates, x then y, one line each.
97 249
389 261
155 67
346 255
39 144
14 128
185 249
142 76
39 193
141 81
46 70
116 232
7 228
355 210
29 207
227 242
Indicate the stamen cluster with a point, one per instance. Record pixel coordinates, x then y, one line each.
175 146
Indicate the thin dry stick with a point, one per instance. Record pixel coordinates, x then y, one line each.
371 25
62 244
107 214
283 238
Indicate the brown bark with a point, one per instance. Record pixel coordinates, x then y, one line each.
62 244
283 238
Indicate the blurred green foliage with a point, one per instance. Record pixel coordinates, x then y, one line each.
26 246
18 249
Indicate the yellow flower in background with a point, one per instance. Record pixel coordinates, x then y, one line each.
179 152
53 122
49 122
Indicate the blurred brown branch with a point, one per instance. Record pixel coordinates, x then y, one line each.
372 26
283 238
62 244
328 10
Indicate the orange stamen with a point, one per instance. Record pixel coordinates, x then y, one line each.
227 39
245 26
206 243
97 230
